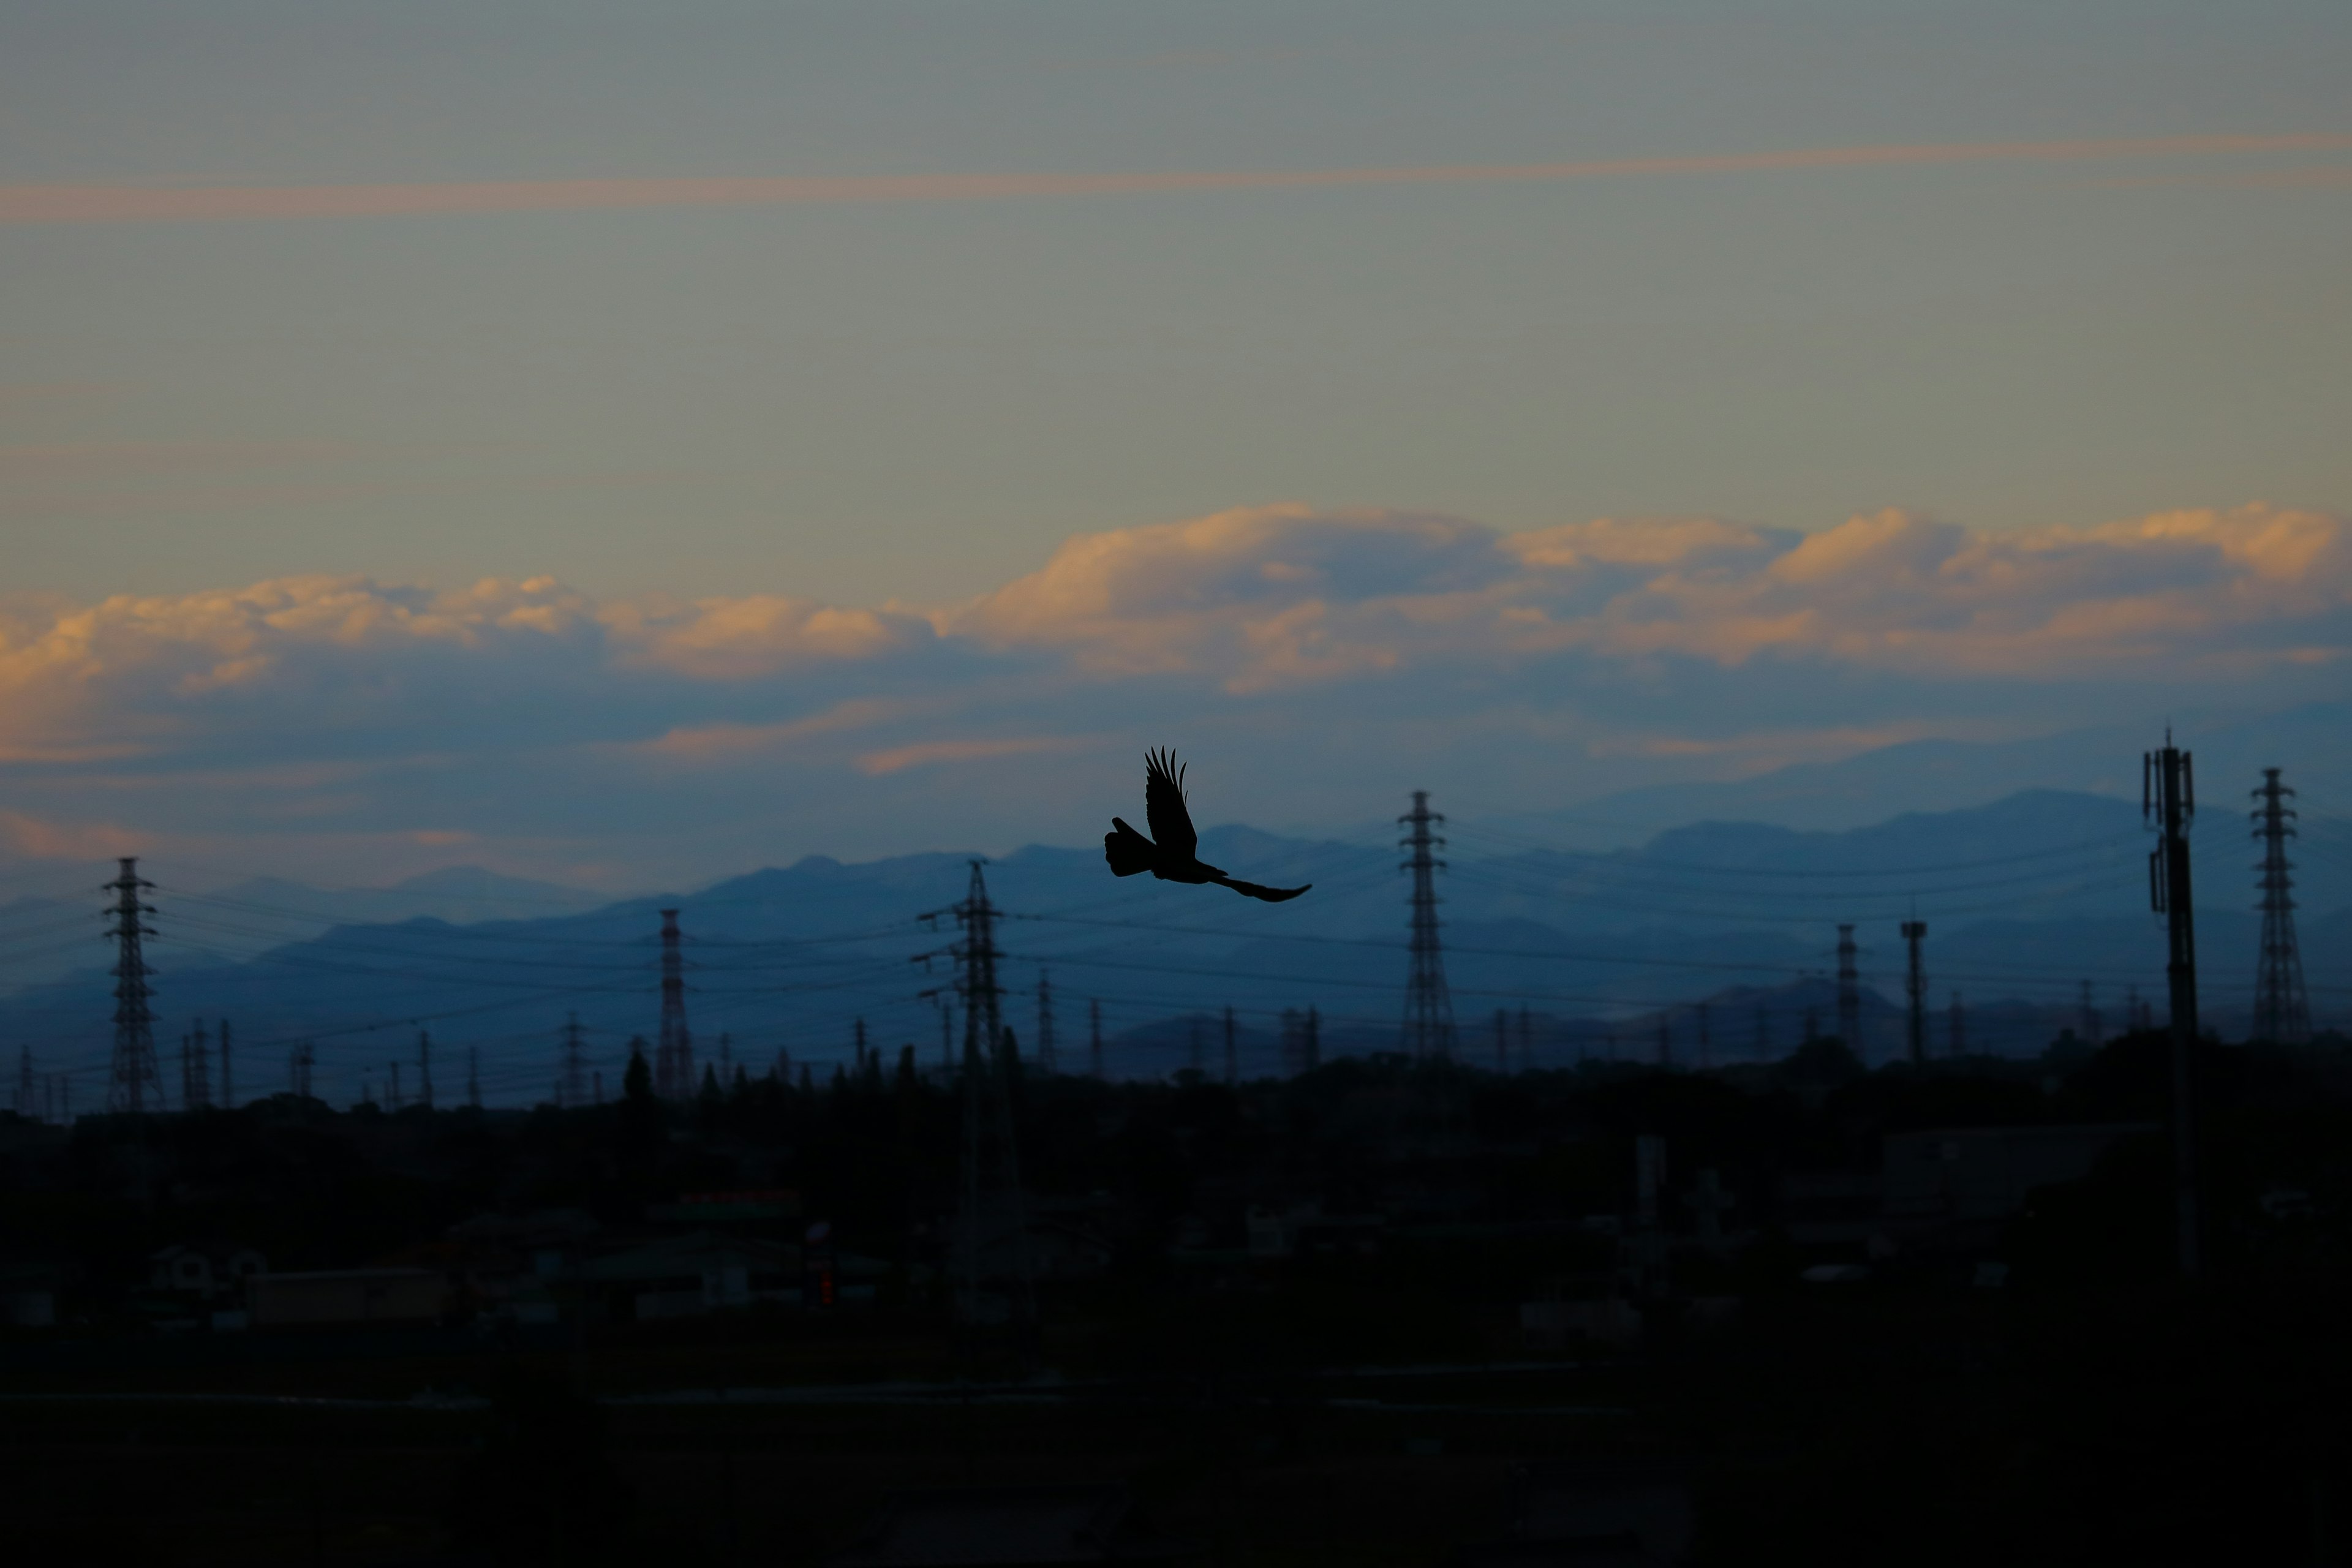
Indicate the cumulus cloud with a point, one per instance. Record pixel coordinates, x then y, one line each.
1324 637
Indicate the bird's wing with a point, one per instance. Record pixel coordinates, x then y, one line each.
1271 895
1163 807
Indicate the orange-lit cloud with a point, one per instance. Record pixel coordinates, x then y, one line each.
26 204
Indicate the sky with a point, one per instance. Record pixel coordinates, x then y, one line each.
630 444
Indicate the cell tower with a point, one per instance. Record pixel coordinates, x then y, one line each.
2168 797
674 1059
133 1082
1914 991
572 1074
1849 995
1428 1006
2282 1008
1094 1039
993 1208
1045 1060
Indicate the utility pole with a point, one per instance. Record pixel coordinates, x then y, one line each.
1045 1056
571 1084
991 1162
474 1077
133 1084
229 1080
1428 1006
1914 991
1849 994
1094 1039
674 1061
424 1067
2168 797
2281 1006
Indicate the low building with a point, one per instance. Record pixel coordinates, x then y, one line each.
344 1297
1973 1174
206 1270
1007 1527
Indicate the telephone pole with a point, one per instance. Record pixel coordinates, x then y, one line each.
133 1082
2282 1008
991 1162
1915 991
1428 1006
2168 798
674 1060
1849 994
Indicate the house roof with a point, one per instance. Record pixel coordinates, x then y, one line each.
1004 1527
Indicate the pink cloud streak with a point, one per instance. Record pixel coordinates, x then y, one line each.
31 204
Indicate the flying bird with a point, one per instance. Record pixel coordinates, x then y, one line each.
1171 859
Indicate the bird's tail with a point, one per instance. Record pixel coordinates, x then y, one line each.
1255 890
1128 850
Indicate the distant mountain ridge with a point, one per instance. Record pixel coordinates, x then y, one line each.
2025 896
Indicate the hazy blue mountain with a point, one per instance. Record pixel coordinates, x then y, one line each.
2024 897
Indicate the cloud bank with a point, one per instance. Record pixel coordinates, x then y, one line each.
1319 654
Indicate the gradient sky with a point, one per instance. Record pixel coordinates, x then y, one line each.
693 325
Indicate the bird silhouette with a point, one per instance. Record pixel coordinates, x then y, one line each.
1172 858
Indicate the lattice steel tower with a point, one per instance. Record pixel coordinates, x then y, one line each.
1849 994
1428 1006
992 1199
674 1057
2281 1006
134 1083
1915 991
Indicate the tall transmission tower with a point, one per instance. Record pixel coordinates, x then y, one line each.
2282 1008
1849 994
2168 797
423 1066
674 1059
1045 1058
298 1069
26 1102
571 1076
195 1071
1428 1006
1094 1039
134 1083
991 1162
1914 991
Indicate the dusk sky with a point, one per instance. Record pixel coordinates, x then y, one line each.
630 444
